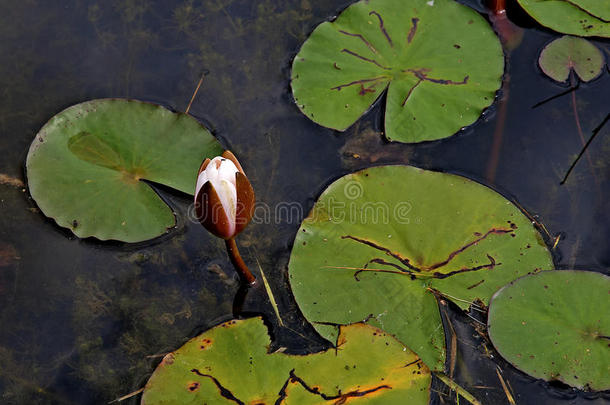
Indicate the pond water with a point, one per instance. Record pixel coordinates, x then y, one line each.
84 322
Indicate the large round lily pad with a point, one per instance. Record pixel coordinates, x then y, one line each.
440 62
569 53
554 325
378 240
230 364
585 18
86 164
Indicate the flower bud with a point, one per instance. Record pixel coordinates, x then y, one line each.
224 198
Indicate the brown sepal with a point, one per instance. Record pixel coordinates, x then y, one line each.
210 212
205 164
245 202
227 154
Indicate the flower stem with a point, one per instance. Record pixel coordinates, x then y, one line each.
244 272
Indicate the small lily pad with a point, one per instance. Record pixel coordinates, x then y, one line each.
231 364
562 55
86 165
440 62
554 325
585 18
378 242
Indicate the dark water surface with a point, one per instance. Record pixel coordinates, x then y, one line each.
80 319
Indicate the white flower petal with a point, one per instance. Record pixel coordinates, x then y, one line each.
227 171
227 193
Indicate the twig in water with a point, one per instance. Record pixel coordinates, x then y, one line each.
269 293
156 356
563 93
459 390
595 132
509 396
556 241
124 397
188 108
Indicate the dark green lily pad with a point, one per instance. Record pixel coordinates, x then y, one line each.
440 62
86 164
377 241
554 325
562 55
570 16
230 364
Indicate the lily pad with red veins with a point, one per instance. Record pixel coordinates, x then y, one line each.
231 364
438 61
381 244
86 167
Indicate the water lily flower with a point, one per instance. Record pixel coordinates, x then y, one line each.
224 198
224 203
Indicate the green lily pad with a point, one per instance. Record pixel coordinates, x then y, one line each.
440 62
562 55
86 164
230 364
597 8
379 240
570 17
554 325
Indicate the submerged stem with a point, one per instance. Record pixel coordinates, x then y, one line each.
244 272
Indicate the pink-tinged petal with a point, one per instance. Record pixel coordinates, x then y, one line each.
211 213
245 202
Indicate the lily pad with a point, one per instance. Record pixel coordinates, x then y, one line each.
86 164
554 325
571 16
562 55
378 242
440 62
231 364
597 8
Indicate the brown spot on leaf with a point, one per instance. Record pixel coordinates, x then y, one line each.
205 343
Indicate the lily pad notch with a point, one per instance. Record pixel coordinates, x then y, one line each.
571 54
85 165
439 62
